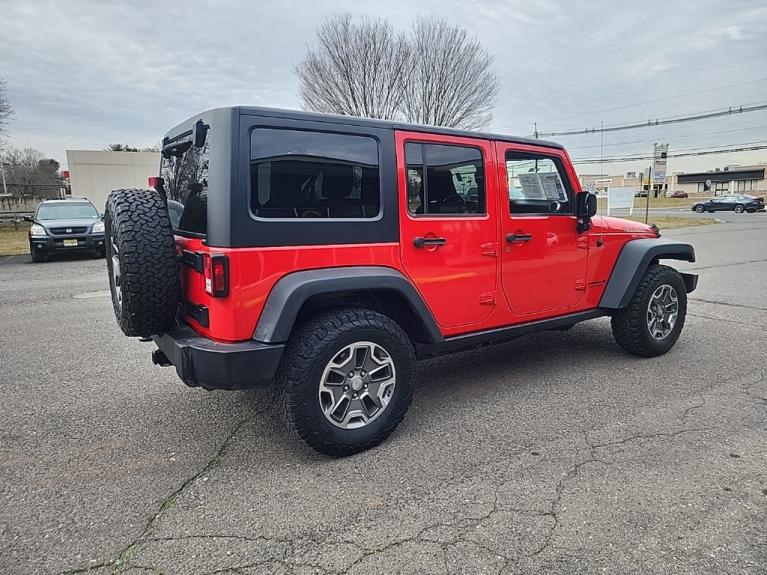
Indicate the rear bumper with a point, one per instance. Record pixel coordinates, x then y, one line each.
202 362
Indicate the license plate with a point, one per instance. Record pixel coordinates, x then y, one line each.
70 243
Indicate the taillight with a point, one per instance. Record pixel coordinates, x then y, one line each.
154 181
216 269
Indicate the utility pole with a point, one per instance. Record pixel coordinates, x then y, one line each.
2 172
647 198
535 126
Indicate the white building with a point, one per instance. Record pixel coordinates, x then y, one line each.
93 174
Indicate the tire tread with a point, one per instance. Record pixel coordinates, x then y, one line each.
305 346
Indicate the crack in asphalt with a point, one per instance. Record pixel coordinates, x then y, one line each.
729 265
462 525
123 559
728 304
741 323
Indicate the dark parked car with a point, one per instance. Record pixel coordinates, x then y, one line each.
64 226
737 204
678 194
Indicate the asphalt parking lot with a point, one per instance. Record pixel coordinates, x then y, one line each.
555 453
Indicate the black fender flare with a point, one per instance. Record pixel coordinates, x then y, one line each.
293 290
632 263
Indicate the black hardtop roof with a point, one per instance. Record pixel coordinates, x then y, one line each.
373 123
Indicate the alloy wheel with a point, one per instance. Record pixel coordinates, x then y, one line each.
662 311
116 277
357 385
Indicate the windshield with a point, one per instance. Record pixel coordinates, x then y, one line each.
68 211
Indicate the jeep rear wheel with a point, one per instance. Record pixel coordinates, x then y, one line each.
346 380
653 320
141 261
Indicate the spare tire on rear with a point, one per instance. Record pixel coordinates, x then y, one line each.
141 260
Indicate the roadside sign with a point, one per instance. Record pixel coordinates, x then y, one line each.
660 153
621 197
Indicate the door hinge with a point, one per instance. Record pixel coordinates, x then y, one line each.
193 260
583 243
489 249
580 285
487 298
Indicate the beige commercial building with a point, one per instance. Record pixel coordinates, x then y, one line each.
93 174
749 180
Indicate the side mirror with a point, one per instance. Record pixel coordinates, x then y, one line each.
29 219
585 209
585 205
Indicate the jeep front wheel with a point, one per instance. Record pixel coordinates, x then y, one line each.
653 319
346 380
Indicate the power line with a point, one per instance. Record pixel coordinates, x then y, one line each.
704 152
713 132
650 123
659 100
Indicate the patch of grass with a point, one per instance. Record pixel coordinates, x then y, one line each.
14 242
673 222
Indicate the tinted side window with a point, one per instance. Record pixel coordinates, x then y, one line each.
537 184
302 174
444 179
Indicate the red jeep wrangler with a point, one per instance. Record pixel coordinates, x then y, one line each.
326 254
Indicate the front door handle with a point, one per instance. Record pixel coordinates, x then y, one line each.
420 242
518 237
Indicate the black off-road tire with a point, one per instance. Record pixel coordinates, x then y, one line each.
311 348
629 325
136 222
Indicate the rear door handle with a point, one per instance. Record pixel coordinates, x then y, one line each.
518 237
420 242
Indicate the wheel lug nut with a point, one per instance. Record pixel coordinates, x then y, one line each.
346 388
365 386
351 374
354 396
363 374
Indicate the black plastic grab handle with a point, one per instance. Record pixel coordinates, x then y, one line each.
420 242
518 237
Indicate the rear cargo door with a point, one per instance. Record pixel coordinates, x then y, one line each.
184 170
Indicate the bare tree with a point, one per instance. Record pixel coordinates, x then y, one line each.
356 69
6 111
451 82
179 173
30 173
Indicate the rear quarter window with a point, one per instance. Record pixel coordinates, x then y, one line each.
313 175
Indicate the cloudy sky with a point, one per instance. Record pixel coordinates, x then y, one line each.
82 75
